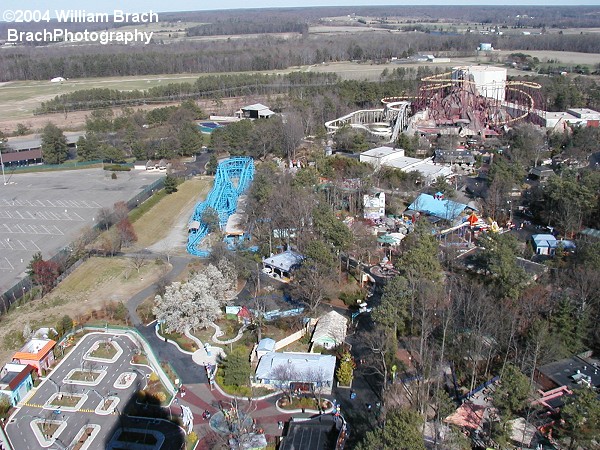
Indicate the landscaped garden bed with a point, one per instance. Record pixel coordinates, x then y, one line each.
107 405
85 437
103 350
87 377
62 400
46 431
125 380
303 403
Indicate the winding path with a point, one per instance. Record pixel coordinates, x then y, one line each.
219 332
199 397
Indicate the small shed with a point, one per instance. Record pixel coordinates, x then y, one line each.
16 381
468 415
547 244
265 345
244 315
37 353
330 330
541 173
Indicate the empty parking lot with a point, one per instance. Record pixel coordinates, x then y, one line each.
43 212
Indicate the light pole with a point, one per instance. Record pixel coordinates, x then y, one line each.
2 164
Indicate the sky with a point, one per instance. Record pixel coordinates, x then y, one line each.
106 6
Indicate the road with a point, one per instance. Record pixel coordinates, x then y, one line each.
19 428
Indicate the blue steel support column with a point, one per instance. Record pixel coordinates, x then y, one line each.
232 178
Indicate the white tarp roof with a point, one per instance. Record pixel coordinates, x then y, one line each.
285 261
330 327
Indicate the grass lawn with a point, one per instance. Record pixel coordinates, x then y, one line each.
104 351
242 391
67 400
84 375
156 223
141 359
182 340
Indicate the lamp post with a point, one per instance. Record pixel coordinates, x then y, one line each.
2 164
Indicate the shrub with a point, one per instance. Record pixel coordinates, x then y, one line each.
117 168
154 377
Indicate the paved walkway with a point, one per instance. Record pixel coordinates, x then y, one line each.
192 374
219 333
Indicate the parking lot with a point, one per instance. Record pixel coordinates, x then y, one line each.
44 211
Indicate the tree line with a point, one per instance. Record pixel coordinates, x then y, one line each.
261 53
237 26
212 86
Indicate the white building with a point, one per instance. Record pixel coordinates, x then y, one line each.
391 157
330 330
584 117
490 81
374 206
303 371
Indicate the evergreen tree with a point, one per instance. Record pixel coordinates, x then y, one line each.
581 415
236 367
401 431
170 184
54 145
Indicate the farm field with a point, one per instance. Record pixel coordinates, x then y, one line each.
19 99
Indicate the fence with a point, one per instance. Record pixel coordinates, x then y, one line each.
64 256
63 166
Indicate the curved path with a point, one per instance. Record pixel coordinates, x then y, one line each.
178 265
219 333
199 397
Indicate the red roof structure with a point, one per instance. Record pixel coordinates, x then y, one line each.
468 415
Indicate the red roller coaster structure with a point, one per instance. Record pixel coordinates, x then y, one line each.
452 100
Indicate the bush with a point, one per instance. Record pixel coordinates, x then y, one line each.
352 298
13 340
117 168
153 377
4 404
113 176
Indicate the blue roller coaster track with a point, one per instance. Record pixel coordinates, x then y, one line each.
233 177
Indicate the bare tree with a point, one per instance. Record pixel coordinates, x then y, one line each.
137 261
285 374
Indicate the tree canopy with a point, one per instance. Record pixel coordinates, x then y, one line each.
54 145
197 302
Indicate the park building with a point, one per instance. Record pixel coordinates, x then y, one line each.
16 381
256 111
38 353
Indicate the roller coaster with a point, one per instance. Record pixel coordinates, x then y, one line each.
232 178
384 122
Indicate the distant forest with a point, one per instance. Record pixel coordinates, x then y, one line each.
272 52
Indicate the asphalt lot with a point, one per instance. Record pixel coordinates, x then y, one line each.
45 211
19 429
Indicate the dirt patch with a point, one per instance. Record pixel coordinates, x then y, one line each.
163 229
95 284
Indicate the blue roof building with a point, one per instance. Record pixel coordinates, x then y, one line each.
546 244
437 207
